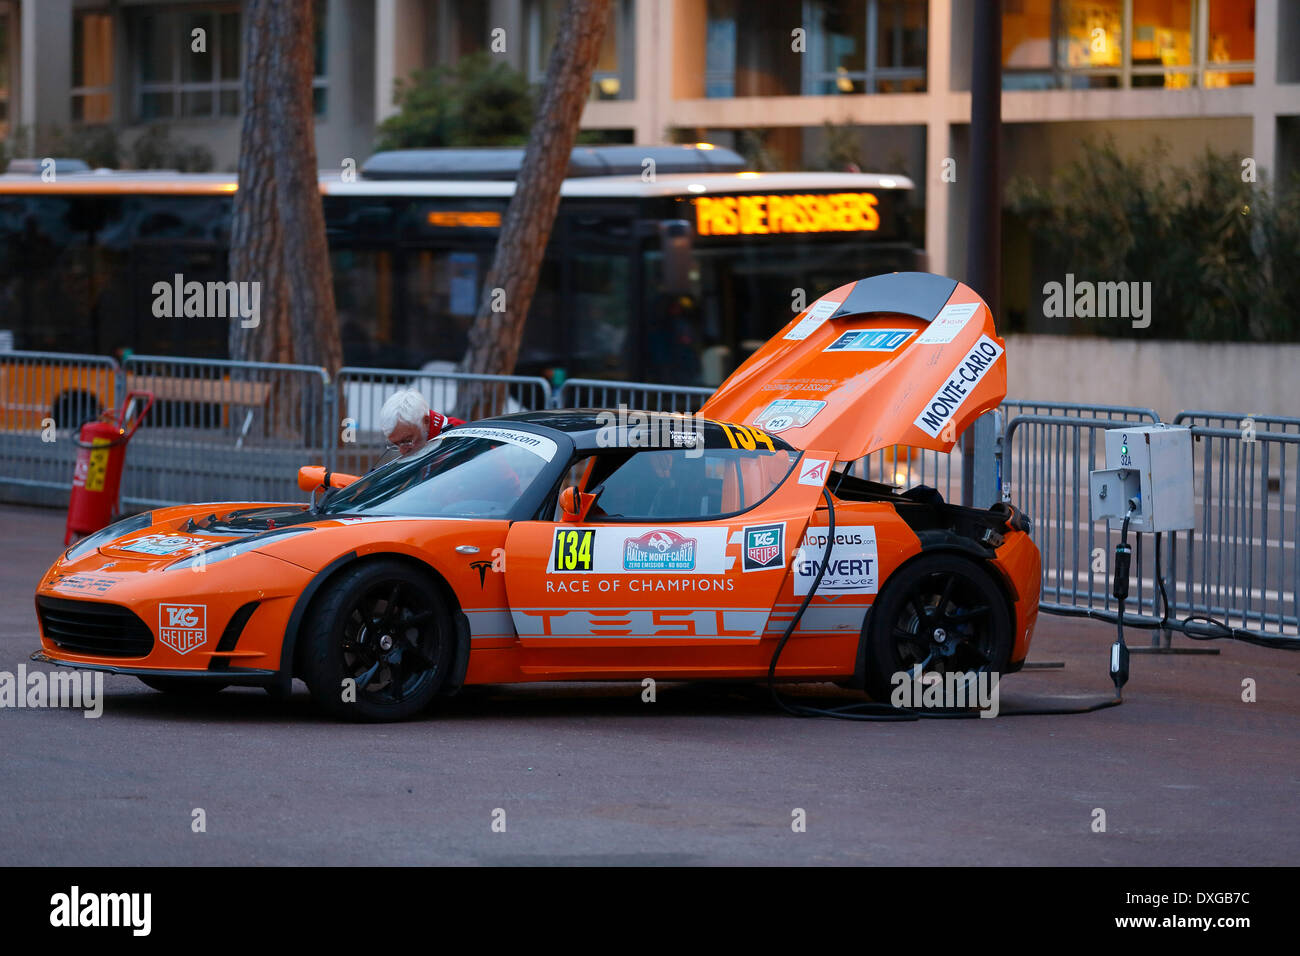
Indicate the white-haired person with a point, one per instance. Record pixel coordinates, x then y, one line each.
408 423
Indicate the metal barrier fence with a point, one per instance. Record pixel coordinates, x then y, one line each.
1240 565
363 391
642 396
224 430
44 397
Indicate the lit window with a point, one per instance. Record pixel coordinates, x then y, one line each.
92 67
612 77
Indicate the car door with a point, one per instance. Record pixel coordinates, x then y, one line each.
674 570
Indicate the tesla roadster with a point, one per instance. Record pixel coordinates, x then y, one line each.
598 544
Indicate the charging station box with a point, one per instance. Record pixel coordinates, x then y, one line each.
1150 463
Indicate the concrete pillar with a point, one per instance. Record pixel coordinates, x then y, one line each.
385 57
937 135
1267 95
45 70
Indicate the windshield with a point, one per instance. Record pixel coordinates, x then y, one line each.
465 473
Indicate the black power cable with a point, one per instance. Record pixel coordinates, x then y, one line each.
871 711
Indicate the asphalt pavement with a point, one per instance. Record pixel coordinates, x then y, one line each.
1185 772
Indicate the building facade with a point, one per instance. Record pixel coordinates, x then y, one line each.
882 84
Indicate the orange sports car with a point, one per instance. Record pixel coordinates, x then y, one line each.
602 544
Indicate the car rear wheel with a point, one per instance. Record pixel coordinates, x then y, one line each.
183 686
378 643
944 613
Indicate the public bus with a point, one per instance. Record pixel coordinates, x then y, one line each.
666 264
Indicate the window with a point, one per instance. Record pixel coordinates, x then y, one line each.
612 78
1081 44
188 63
92 67
865 46
684 484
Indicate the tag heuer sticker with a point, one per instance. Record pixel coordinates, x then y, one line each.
183 627
788 413
764 547
870 340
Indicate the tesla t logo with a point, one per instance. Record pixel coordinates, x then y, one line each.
813 471
183 627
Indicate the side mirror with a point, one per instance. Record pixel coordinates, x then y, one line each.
312 478
575 504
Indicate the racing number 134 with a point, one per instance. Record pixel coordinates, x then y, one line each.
573 549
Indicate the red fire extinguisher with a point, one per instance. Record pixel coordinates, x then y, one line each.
97 477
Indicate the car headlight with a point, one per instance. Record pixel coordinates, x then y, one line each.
233 548
126 526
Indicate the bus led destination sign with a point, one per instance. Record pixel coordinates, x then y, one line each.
764 215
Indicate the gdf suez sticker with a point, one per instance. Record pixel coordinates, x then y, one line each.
573 547
764 547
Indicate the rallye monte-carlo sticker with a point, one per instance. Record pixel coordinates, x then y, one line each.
160 544
852 566
783 413
637 550
941 408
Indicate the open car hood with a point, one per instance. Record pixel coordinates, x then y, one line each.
908 358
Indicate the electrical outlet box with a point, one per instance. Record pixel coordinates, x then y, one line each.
1149 466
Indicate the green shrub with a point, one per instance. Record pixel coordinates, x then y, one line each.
1220 254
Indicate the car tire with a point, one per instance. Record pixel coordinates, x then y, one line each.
384 626
906 626
184 686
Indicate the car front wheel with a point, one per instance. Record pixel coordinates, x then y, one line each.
378 642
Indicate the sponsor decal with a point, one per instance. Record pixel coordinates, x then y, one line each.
817 313
640 622
573 549
950 321
851 569
783 413
941 408
84 583
161 544
764 547
482 567
662 550
814 471
183 627
539 445
821 385
870 340
625 550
